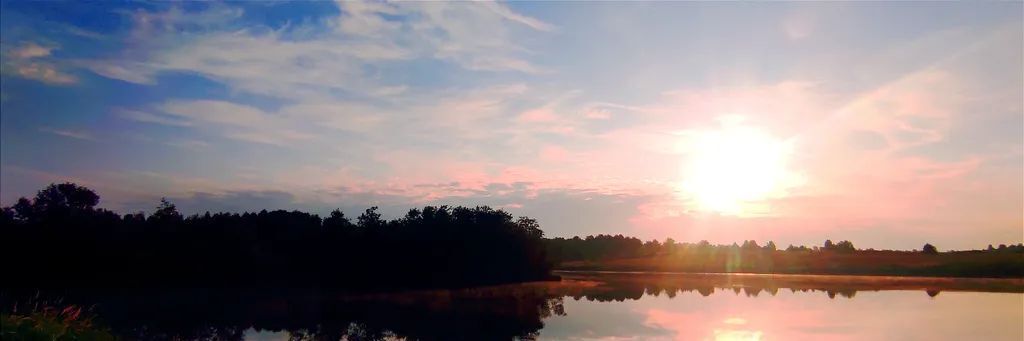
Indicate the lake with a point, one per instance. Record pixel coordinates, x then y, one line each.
735 311
586 306
644 306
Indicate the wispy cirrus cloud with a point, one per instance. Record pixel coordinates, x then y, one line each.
325 57
236 121
147 117
70 133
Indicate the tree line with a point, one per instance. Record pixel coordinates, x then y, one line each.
604 246
623 253
618 246
60 238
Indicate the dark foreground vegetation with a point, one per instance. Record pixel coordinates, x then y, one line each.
60 239
619 253
304 314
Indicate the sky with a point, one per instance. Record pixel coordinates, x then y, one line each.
886 124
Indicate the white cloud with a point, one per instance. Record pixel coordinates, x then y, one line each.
473 35
597 114
318 63
147 24
142 116
45 72
216 112
507 13
31 50
269 65
75 134
127 71
338 115
327 79
237 121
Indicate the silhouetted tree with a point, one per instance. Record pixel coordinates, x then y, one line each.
844 246
370 219
72 243
337 221
24 210
65 196
56 202
929 249
166 213
750 245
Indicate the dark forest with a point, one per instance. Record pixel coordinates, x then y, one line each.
60 239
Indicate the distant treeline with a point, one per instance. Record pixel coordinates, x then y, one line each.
60 239
604 246
618 252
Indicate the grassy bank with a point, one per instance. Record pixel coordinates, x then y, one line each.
47 322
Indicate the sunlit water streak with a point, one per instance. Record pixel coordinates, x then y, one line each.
645 306
787 315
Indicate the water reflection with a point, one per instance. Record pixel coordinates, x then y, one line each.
632 286
881 315
583 306
714 307
480 314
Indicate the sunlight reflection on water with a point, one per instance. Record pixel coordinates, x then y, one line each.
873 315
710 307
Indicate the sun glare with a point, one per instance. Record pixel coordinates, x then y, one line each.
732 171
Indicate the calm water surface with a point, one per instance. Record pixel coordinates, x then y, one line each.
787 315
584 306
618 306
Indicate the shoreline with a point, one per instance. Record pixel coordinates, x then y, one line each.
803 281
644 272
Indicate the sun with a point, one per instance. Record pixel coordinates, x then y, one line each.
734 170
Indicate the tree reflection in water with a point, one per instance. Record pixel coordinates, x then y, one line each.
503 312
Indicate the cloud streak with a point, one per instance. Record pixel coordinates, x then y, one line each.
70 133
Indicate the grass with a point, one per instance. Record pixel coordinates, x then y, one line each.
49 321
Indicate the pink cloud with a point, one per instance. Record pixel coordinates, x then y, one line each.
553 153
539 115
597 114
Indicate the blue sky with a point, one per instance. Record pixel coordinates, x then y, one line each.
894 122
